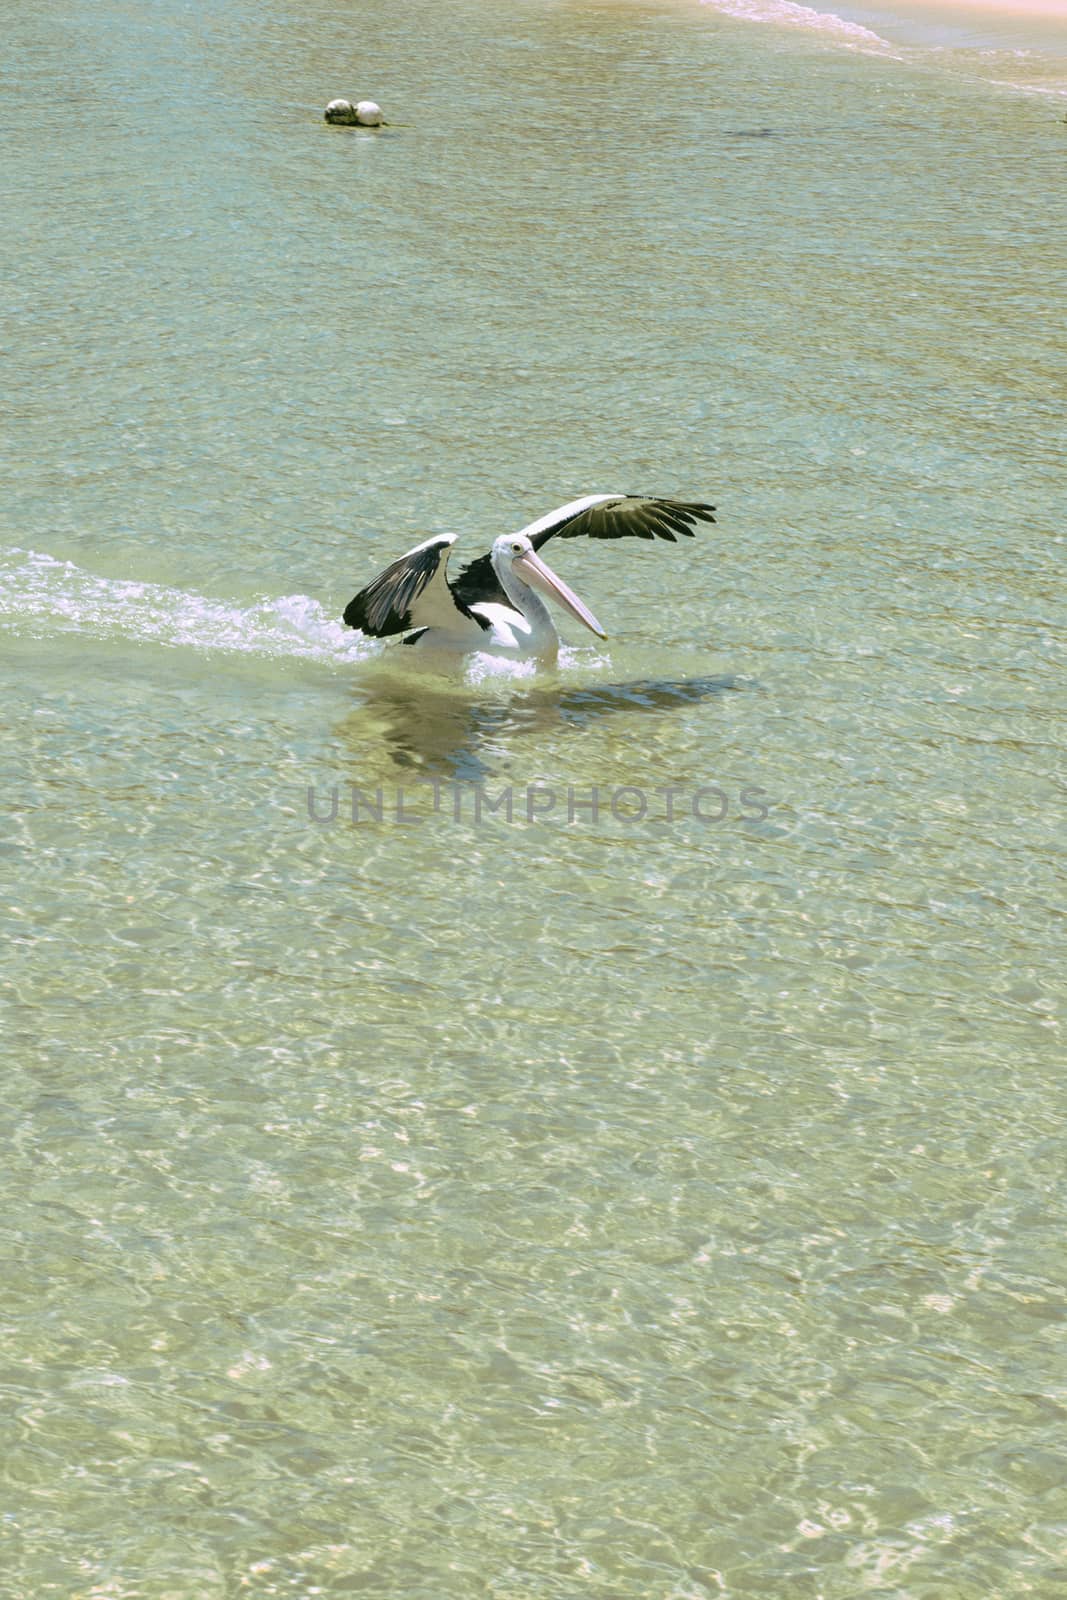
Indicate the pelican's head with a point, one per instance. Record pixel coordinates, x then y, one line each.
514 553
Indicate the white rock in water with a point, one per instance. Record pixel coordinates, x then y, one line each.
368 114
340 111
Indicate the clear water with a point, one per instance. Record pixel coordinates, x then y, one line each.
425 1203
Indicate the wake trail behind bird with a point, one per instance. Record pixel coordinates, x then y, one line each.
40 594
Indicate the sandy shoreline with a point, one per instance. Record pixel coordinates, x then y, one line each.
1039 18
961 24
1056 9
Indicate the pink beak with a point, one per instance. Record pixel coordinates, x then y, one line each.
539 576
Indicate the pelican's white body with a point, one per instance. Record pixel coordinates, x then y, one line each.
530 632
523 629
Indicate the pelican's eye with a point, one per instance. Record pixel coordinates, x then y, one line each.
516 549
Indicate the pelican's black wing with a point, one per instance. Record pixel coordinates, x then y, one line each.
620 516
595 516
478 581
411 593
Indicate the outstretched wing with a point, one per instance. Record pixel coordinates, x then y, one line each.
596 516
412 592
620 516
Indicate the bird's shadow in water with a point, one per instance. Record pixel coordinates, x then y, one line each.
450 737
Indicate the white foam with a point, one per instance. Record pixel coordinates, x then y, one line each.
39 593
483 667
786 14
1056 90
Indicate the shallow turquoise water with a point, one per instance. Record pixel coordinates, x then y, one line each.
440 1204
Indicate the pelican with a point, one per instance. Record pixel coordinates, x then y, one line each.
495 604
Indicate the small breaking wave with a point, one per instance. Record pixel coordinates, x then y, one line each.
787 14
40 593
